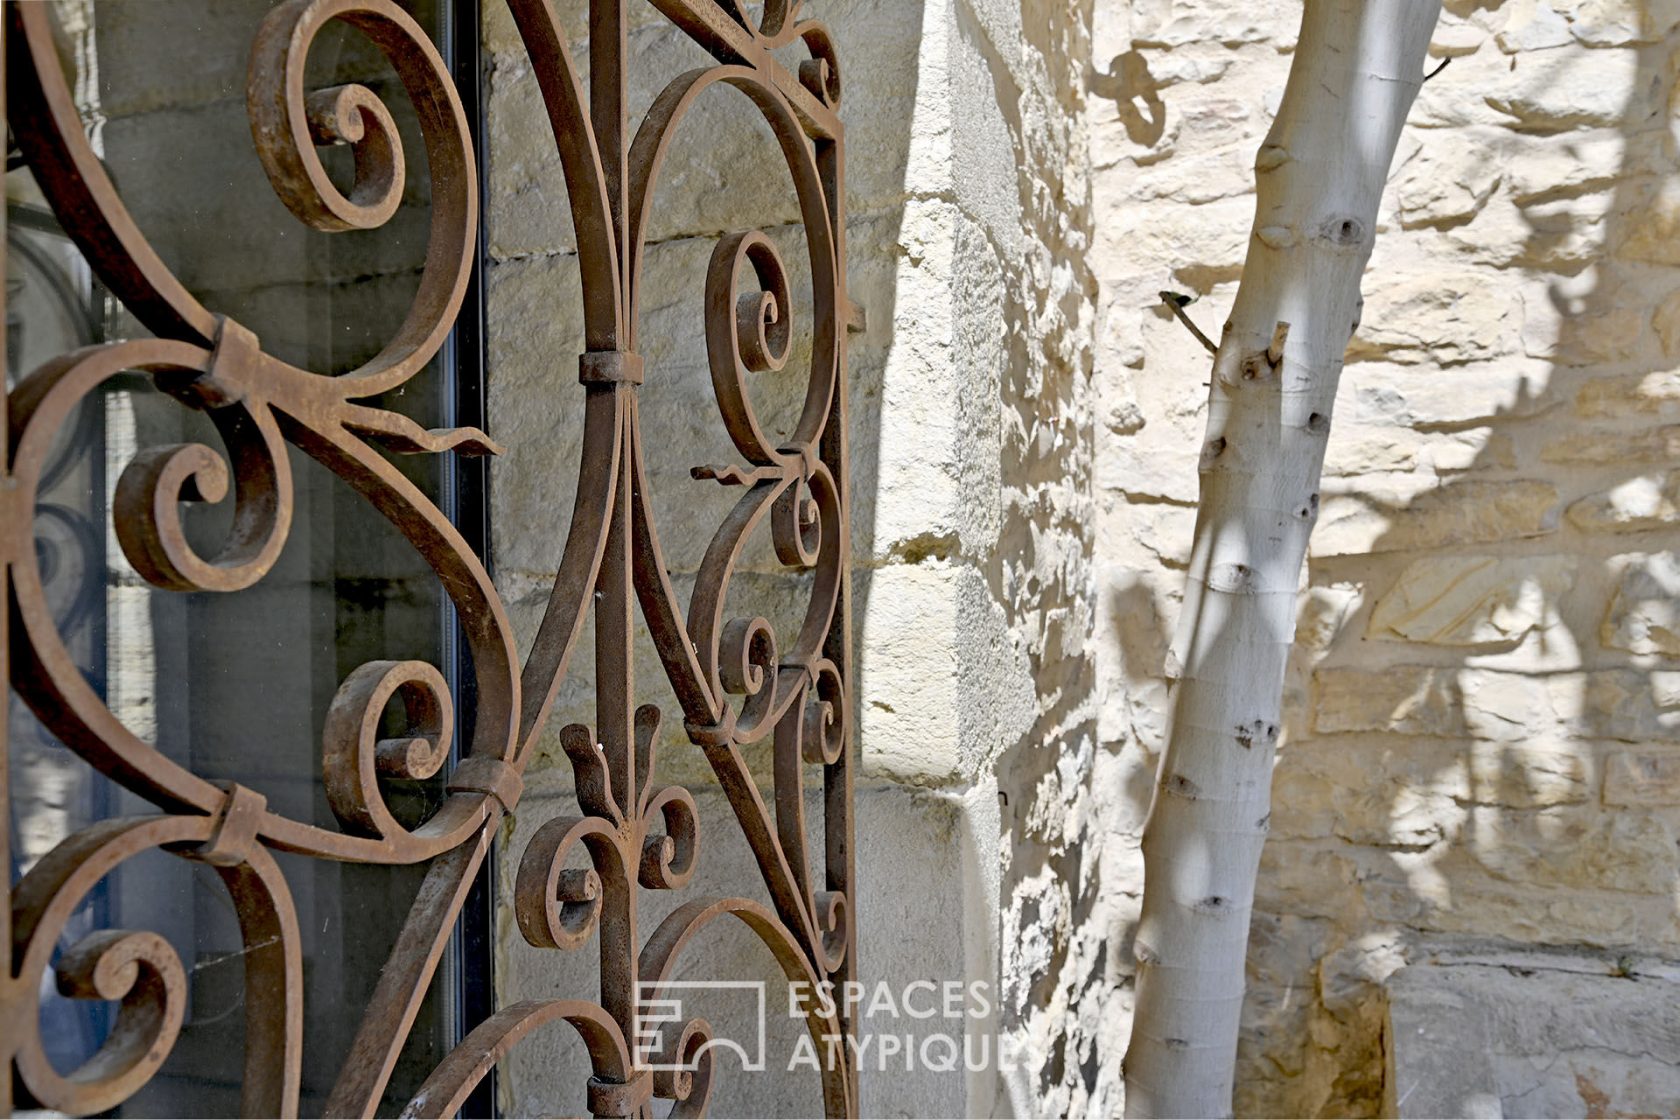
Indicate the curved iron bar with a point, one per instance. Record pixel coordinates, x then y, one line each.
734 680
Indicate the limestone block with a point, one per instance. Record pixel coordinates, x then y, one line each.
526 207
1574 162
1642 778
1532 25
1143 468
1643 616
1304 880
536 403
894 65
1368 793
1654 228
1470 600
1649 501
1447 178
1455 40
1476 449
1666 320
723 169
1324 615
1453 894
1574 846
1539 1036
1411 702
1134 627
502 34
1194 21
1164 532
1644 395
1559 235
1389 396
1361 450
1582 332
1122 416
1172 388
1437 1054
1443 318
1199 63
939 440
1527 776
1458 97
944 684
1199 178
1358 449
1617 23
1440 702
983 176
926 863
1215 119
1627 704
1546 94
1198 246
1386 518
1602 446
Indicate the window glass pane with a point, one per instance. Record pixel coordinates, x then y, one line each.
235 687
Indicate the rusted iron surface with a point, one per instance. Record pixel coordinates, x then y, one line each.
736 680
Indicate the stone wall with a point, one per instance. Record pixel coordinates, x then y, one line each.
1482 746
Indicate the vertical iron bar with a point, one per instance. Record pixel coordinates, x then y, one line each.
615 697
608 111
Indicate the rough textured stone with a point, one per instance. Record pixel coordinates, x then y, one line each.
1496 1035
1666 321
1644 616
1443 319
1650 501
1628 395
1532 25
1602 447
1470 600
1446 183
1416 700
1642 778
1569 92
1369 520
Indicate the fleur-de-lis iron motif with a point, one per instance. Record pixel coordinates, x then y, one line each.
736 681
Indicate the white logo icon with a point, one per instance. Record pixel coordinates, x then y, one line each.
661 1015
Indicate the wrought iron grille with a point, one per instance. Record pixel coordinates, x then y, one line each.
735 681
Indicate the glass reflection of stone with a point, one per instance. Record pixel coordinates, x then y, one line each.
50 308
235 687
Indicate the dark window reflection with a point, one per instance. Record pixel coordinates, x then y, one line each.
233 686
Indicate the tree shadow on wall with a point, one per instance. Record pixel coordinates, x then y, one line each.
1488 716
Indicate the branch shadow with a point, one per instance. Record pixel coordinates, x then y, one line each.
1457 778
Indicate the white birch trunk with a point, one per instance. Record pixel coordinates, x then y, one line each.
1320 176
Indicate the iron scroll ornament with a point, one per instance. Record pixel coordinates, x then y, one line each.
736 680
